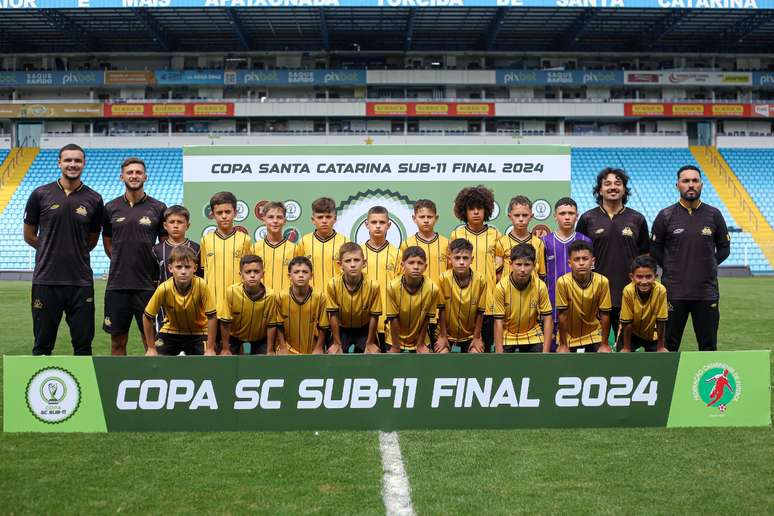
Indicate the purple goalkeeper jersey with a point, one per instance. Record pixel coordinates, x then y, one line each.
556 263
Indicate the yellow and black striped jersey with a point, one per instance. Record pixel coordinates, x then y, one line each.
301 320
276 258
220 256
324 254
484 248
353 308
583 304
509 241
436 250
462 305
382 266
643 314
520 309
184 314
411 309
250 318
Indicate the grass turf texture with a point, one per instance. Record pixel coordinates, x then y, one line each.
654 471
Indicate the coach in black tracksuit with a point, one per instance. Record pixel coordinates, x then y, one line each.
62 221
690 239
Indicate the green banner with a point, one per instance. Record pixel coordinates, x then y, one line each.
390 392
358 177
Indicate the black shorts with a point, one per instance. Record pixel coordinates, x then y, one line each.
257 347
123 305
173 344
462 344
588 348
432 334
524 348
637 343
353 340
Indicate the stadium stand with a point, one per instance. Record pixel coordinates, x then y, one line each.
753 168
652 171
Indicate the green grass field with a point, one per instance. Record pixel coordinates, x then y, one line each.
610 471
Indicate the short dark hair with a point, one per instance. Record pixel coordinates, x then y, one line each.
184 254
274 205
523 252
688 167
350 247
250 258
519 200
621 175
645 260
300 260
414 251
460 244
377 210
223 198
177 209
474 197
324 205
425 203
72 146
133 161
579 245
566 201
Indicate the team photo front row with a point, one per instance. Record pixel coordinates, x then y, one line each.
477 291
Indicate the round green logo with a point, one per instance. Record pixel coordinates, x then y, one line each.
717 385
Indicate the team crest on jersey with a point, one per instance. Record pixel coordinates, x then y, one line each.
145 221
706 231
627 231
80 210
120 219
108 322
54 207
390 267
37 304
600 230
238 253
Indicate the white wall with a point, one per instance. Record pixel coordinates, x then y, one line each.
747 126
443 125
433 77
669 125
746 142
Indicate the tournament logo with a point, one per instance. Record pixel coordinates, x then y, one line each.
292 234
145 221
53 395
292 210
242 211
80 210
207 230
353 211
541 209
717 385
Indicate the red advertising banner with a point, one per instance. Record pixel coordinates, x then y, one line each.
430 109
114 77
689 110
169 110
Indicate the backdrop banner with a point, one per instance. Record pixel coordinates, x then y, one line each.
360 176
389 392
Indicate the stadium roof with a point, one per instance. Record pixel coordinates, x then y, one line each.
509 29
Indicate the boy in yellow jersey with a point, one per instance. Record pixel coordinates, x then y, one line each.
520 213
583 303
222 249
643 309
249 311
189 307
464 302
412 300
354 305
275 250
474 206
382 259
322 245
301 312
521 300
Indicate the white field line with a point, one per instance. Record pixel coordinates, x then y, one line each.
396 491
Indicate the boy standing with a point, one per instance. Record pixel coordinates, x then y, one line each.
583 304
474 206
189 306
275 250
464 300
520 301
433 244
412 300
177 220
643 309
322 245
248 312
301 312
520 213
382 259
556 244
354 304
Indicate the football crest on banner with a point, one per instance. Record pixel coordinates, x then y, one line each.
717 385
352 212
53 395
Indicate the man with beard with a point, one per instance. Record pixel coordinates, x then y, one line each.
618 235
62 222
690 239
131 225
